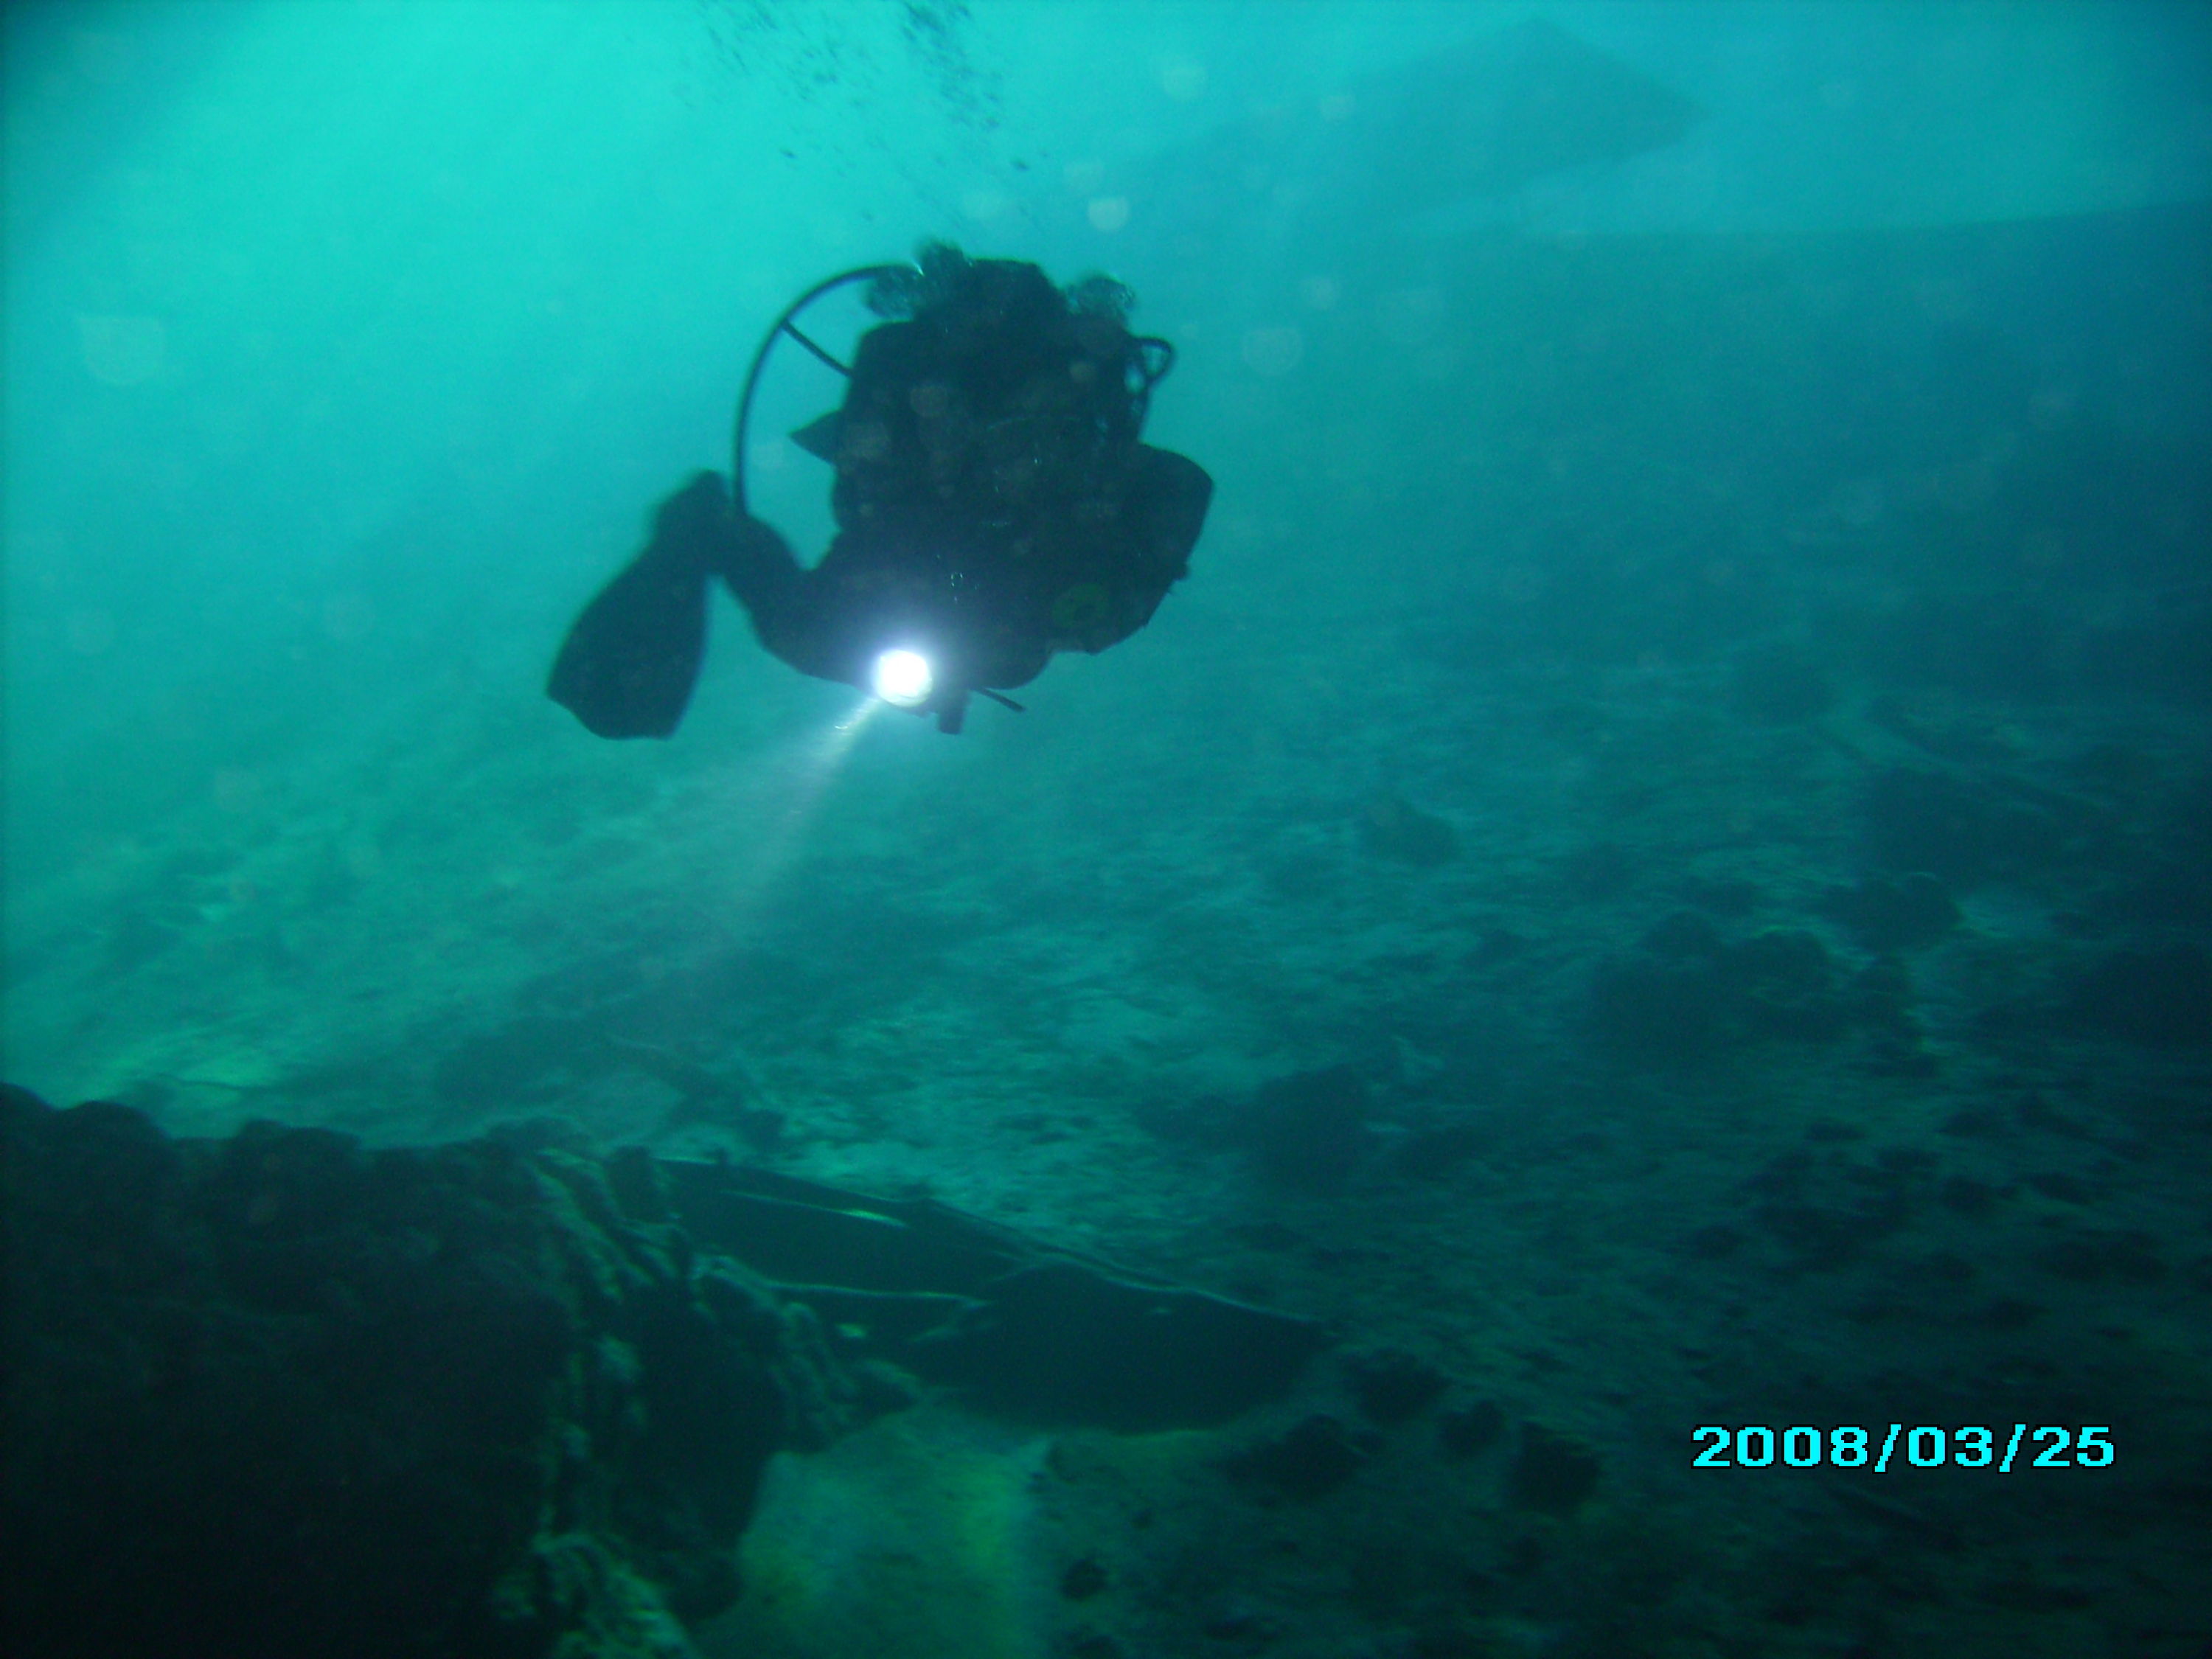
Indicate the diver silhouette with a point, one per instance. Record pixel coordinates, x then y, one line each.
993 501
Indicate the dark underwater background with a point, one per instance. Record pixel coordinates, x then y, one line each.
1654 877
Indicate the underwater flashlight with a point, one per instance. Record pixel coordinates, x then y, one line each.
902 678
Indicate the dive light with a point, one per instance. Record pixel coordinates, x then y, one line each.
902 678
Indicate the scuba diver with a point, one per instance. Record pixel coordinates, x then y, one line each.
993 500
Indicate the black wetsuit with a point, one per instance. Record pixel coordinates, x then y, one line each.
993 504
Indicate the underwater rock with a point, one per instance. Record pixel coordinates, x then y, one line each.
1599 872
1974 1199
1466 1430
1058 1342
1652 1012
1693 995
1551 1473
2161 998
1309 1130
1980 647
501 1397
2059 1185
1240 1624
141 932
1394 828
526 1061
2122 1256
1826 1209
1886 915
1780 686
1391 1386
281 1393
1313 1459
1432 1153
1821 1240
1715 1242
1784 980
1036 1335
1962 834
1685 935
1725 896
1878 1001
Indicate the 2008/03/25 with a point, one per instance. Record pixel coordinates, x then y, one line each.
1924 1448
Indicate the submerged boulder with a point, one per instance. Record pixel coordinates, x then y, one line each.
504 1398
283 1394
1691 995
2161 997
1886 916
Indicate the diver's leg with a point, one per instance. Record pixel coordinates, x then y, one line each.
786 603
758 566
627 668
690 528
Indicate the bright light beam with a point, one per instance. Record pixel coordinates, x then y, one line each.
782 799
902 678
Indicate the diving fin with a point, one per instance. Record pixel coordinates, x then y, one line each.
627 668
